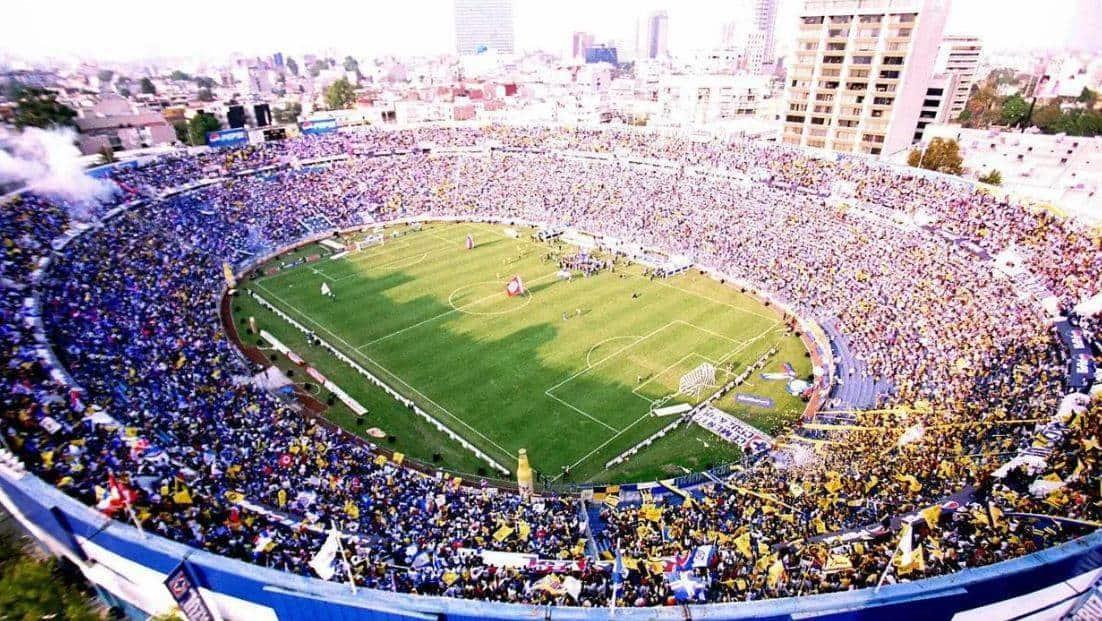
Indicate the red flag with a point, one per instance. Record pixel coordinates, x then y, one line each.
119 496
470 242
515 287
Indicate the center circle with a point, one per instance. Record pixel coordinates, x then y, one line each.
468 298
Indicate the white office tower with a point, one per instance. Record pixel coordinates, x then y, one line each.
859 73
959 55
483 25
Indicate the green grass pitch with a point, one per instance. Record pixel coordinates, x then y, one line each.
570 370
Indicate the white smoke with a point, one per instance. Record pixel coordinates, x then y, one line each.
47 161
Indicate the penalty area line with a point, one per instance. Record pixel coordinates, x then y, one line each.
388 372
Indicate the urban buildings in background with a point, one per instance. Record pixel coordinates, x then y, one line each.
484 25
860 72
950 87
652 36
959 55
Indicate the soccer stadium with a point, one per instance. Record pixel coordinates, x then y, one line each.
501 371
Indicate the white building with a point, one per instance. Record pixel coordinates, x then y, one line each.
708 99
652 36
1065 171
938 102
860 73
484 25
959 55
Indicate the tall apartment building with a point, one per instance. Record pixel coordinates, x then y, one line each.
652 35
579 43
765 21
959 55
860 73
483 25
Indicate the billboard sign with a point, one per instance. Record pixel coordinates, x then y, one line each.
228 138
319 126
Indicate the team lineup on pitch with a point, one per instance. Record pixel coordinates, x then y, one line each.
570 368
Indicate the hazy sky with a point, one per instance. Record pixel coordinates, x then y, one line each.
133 29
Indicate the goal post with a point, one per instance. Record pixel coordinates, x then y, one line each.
697 380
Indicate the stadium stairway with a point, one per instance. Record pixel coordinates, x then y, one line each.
854 388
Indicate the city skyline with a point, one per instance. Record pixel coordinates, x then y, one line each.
426 27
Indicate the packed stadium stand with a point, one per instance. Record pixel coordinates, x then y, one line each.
954 464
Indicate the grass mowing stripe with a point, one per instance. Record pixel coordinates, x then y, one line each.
384 369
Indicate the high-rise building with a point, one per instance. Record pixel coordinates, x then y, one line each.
482 25
958 55
652 36
860 73
765 21
580 42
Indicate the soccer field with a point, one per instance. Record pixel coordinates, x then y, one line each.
570 370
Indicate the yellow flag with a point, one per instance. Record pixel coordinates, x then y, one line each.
742 544
502 533
931 514
914 486
523 530
380 460
996 514
234 497
776 572
871 483
398 458
837 562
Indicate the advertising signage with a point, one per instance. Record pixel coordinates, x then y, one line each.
228 138
319 126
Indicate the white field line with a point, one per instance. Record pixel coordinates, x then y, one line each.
604 444
715 301
385 370
734 352
454 309
584 413
588 354
612 355
659 374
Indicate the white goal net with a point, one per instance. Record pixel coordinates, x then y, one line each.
697 380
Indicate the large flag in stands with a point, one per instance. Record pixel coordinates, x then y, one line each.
515 287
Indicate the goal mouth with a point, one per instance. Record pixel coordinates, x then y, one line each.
696 381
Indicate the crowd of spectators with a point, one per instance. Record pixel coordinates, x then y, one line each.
160 404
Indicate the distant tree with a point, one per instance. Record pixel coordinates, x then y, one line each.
292 66
351 64
1046 118
965 116
941 155
105 75
339 95
123 91
1087 97
205 82
179 75
205 94
994 177
318 66
198 127
1014 110
181 131
107 155
288 114
38 107
147 87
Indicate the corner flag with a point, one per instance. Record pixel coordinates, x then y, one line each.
515 287
470 241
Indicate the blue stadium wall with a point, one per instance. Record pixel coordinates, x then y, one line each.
130 566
